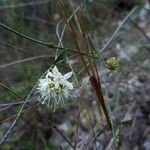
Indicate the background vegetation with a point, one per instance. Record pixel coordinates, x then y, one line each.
126 24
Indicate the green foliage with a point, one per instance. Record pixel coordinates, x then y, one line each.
48 145
60 57
22 31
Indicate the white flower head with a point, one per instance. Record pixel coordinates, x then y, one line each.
55 88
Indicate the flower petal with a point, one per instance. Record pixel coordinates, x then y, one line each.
67 75
55 70
69 85
66 93
56 73
54 88
49 74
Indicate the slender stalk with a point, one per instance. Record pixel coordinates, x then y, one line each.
7 88
50 45
118 28
25 4
25 60
25 36
20 111
100 98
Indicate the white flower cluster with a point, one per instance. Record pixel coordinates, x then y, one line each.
54 88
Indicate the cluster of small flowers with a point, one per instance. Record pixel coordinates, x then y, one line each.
112 63
55 88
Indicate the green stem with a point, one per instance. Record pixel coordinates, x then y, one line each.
50 45
24 36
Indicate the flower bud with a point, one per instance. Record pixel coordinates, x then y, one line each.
112 63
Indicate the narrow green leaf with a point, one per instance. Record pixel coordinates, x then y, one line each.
60 58
50 45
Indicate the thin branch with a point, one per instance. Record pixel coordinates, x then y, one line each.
118 28
34 19
7 88
12 104
18 115
12 46
9 118
25 36
50 45
54 126
24 4
25 60
141 31
20 111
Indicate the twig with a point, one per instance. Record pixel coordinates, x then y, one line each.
24 60
9 118
12 46
38 20
141 30
54 126
11 104
24 4
118 28
20 111
17 117
50 45
7 88
25 36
